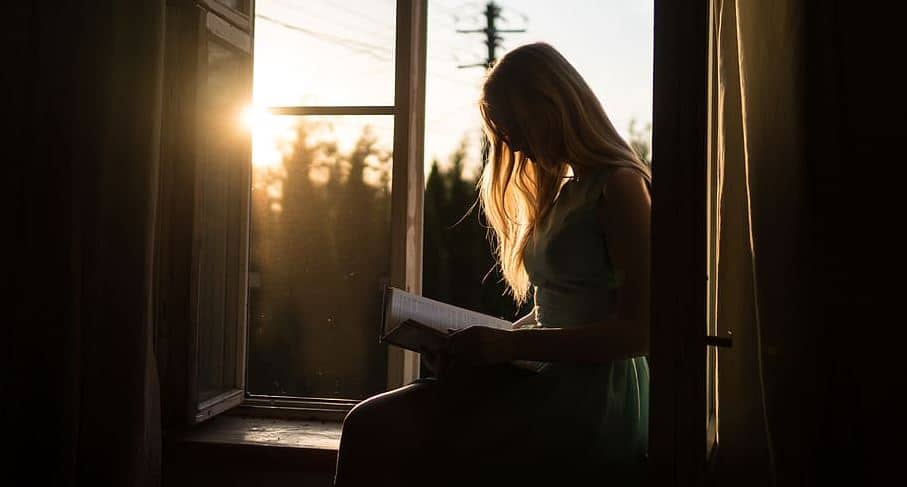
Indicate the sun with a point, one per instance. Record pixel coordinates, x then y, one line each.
253 117
272 135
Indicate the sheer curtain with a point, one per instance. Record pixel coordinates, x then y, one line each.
758 152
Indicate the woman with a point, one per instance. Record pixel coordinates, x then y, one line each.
568 201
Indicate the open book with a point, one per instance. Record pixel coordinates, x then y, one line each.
422 325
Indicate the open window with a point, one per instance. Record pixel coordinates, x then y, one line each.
202 228
336 202
286 261
219 250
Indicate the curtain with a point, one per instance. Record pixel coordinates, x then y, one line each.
81 390
809 112
758 153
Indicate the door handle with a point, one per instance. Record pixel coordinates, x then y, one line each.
717 341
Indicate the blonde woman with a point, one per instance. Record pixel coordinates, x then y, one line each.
568 201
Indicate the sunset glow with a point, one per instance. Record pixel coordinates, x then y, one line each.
273 136
324 53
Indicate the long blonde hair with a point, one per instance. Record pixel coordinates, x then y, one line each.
539 115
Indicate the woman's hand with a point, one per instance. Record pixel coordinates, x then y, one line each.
436 362
480 345
527 321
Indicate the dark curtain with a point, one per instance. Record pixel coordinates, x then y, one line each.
810 120
82 90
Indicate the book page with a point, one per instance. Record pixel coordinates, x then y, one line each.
402 306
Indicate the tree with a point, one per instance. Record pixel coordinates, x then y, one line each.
320 246
459 267
321 236
641 141
436 281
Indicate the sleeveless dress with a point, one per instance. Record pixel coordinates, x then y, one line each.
572 277
568 424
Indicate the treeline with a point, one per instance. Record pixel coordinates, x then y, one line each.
320 254
458 266
320 251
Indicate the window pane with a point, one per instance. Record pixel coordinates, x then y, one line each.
238 5
319 52
223 159
320 255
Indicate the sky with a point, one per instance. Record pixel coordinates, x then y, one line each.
310 52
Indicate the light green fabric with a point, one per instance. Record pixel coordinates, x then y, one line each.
568 264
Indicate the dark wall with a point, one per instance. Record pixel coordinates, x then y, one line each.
855 109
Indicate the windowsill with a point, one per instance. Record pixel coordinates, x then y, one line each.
265 443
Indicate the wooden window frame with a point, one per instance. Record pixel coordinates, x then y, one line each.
407 192
680 245
178 316
243 18
713 202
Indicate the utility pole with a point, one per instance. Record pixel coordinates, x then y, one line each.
492 14
492 43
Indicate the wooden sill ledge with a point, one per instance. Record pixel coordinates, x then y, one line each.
258 443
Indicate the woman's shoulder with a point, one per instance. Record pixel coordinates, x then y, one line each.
620 179
623 179
624 196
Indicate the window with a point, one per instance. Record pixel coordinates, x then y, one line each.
363 128
298 239
324 159
201 254
336 198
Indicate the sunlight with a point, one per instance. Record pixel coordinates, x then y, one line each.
273 136
253 116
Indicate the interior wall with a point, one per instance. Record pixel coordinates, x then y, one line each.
856 120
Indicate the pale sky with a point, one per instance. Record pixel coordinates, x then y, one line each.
341 53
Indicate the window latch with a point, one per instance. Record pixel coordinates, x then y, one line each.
717 341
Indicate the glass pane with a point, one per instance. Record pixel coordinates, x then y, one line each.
319 52
320 255
223 158
238 5
609 43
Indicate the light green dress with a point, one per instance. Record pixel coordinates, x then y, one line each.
569 267
570 423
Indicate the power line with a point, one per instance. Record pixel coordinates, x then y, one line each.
386 31
383 53
359 46
492 43
361 15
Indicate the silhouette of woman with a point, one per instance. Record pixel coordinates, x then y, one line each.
568 201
